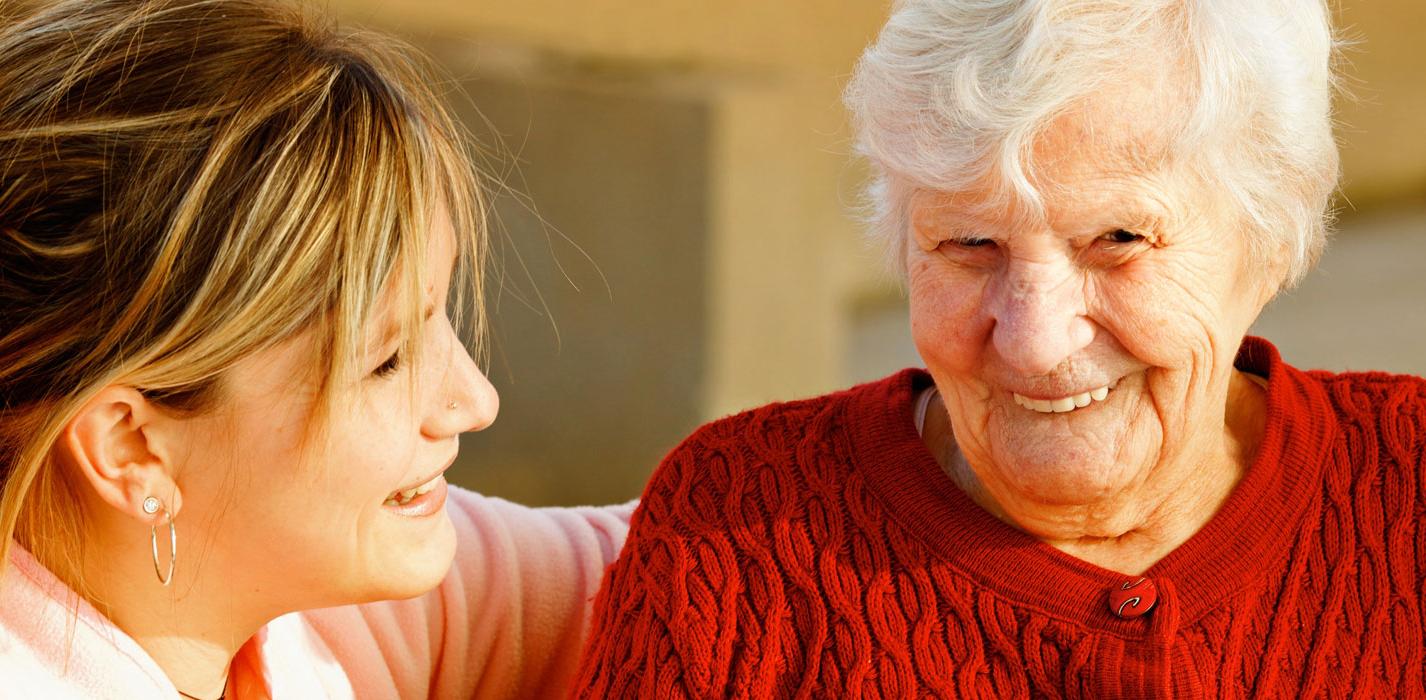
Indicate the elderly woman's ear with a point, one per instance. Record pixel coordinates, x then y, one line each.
1272 276
117 449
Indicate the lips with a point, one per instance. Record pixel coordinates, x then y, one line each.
423 497
428 501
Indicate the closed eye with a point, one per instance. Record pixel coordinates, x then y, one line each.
971 242
1121 236
388 367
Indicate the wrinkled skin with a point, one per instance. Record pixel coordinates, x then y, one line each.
1138 276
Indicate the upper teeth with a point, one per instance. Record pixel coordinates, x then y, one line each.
1063 404
402 496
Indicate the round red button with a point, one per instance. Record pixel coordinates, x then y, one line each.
1133 598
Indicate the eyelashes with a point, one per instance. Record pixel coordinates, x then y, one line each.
1121 236
972 242
388 367
1106 250
1118 236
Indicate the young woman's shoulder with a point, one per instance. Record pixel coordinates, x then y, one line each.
508 620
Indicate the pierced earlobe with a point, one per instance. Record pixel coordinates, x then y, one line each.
153 505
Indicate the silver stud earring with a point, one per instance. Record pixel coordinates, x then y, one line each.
153 505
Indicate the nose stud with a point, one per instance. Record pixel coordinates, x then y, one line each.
452 406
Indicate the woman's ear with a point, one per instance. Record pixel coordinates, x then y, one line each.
112 447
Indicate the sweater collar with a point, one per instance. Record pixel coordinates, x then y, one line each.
62 646
1249 538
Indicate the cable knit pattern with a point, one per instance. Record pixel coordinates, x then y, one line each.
815 549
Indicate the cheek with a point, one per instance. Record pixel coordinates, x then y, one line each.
1166 314
948 323
264 446
381 437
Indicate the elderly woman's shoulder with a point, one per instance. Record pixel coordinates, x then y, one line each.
1380 422
776 449
1368 393
776 426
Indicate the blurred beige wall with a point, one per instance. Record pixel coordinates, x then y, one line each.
783 251
787 300
1382 120
780 258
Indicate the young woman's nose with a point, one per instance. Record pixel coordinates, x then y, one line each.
1039 313
465 400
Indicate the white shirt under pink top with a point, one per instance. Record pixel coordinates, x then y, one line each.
508 621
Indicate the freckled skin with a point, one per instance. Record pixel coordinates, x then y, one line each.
1003 302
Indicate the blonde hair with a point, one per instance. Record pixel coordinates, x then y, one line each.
183 183
953 91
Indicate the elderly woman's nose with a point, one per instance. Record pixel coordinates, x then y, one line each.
1039 321
465 400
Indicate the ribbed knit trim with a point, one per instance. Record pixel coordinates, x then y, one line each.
1248 538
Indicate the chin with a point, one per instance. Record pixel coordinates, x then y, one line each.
412 570
1066 476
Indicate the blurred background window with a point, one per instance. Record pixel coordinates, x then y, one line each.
597 290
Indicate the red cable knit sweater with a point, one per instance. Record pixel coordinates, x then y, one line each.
815 549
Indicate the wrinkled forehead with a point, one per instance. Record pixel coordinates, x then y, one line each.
1133 121
1097 148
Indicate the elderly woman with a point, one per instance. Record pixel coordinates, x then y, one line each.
228 383
1099 487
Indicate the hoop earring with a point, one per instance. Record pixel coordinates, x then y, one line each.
153 505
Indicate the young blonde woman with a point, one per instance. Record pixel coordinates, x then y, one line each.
229 385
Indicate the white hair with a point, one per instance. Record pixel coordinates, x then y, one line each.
954 91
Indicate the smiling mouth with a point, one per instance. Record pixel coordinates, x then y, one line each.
1065 404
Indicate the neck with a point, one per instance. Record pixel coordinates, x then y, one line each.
197 667
191 628
1131 530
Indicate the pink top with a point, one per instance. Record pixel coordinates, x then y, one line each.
508 621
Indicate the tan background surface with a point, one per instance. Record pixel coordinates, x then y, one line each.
694 252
